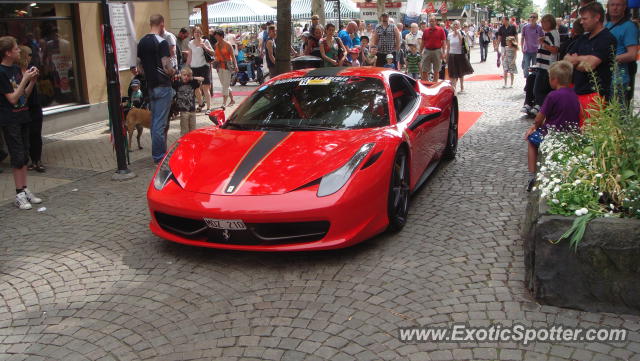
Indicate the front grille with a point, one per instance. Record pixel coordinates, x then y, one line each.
185 227
255 234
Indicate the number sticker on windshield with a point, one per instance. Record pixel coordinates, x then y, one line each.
311 81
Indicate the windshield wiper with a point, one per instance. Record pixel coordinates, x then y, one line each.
296 127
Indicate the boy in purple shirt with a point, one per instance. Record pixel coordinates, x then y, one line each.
560 111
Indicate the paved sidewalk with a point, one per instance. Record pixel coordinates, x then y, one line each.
86 280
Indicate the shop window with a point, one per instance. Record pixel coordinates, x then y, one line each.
48 31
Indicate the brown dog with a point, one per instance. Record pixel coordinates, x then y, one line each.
137 119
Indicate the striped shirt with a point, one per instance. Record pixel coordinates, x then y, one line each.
413 61
545 58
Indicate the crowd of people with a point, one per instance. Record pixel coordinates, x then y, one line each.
587 67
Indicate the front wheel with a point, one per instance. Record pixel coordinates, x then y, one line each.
452 136
398 200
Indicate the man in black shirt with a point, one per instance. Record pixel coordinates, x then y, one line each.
505 31
155 61
592 51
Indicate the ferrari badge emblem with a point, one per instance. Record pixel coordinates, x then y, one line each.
226 235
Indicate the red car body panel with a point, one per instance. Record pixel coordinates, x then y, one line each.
282 187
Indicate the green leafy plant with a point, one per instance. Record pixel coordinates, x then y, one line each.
596 172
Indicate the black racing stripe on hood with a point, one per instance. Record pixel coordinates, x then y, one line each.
259 151
328 71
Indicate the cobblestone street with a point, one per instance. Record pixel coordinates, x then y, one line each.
86 279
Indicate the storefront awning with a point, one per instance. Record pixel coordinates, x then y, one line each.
235 12
301 9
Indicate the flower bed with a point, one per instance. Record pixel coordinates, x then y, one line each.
588 193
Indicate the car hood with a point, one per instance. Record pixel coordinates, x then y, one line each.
234 162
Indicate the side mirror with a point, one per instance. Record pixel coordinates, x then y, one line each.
217 116
425 114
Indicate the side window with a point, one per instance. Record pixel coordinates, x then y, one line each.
404 95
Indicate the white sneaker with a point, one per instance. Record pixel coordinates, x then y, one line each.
535 110
525 109
32 197
21 201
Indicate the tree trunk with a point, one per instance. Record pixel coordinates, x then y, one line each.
283 40
317 8
380 8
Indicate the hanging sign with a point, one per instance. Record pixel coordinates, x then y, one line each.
124 34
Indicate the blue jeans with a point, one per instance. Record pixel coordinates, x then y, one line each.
161 98
528 59
484 47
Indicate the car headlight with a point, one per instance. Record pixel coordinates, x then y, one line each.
164 173
333 181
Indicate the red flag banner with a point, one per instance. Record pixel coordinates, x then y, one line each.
443 8
430 9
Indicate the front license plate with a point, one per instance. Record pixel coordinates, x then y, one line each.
229 224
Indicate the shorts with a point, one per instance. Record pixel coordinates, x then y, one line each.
16 136
536 138
587 102
203 71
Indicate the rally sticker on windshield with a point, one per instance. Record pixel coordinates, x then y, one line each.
316 80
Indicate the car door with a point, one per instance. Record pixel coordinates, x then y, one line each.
406 102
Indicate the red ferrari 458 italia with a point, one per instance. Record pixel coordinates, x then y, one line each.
314 159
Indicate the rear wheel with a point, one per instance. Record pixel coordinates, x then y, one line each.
234 79
398 200
452 137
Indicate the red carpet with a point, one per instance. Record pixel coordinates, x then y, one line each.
484 77
242 94
466 120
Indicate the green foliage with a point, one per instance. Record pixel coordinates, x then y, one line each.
560 7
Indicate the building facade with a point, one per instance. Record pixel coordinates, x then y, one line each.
66 42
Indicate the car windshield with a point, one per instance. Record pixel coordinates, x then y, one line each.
314 103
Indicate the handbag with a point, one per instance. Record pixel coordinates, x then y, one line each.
465 47
207 57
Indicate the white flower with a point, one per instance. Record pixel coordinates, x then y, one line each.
578 212
578 181
556 189
555 201
612 206
584 210
598 175
600 194
563 204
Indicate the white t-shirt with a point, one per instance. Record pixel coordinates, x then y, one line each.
413 39
455 44
171 40
197 54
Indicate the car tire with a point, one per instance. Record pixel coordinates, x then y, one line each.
399 192
452 136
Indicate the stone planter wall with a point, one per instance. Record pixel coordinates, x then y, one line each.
603 275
